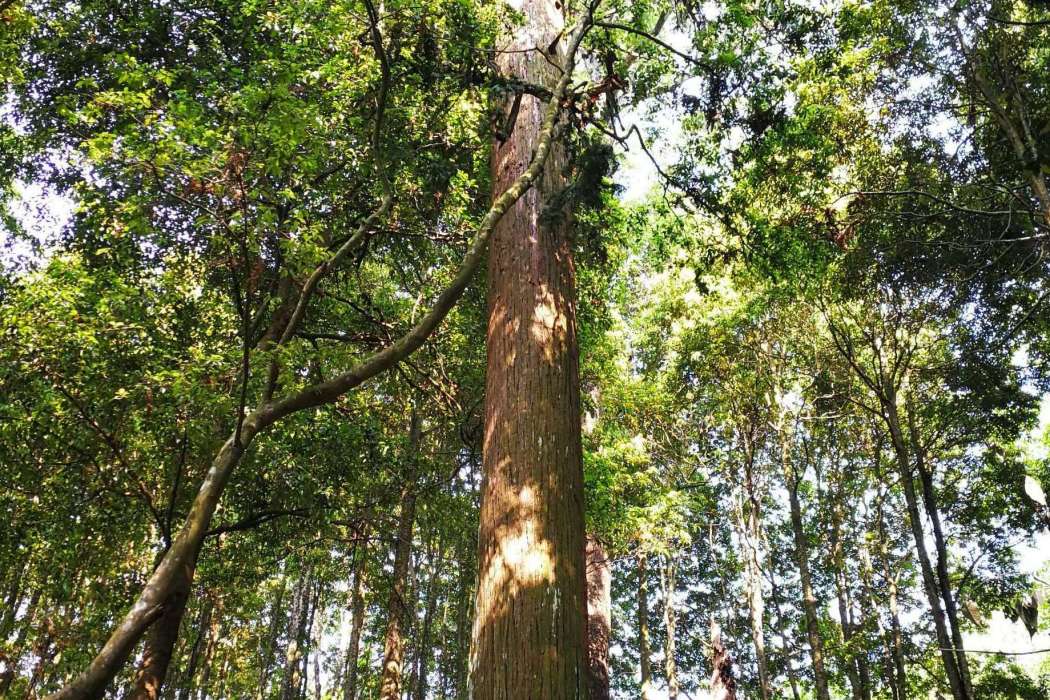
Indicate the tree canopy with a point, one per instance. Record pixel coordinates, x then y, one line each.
465 349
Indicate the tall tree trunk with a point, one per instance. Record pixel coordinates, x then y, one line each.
12 664
12 600
309 638
599 618
424 652
896 639
203 629
751 528
723 684
668 581
838 570
208 658
44 651
268 646
291 681
357 622
164 634
462 653
530 604
929 580
644 662
785 640
809 600
397 609
929 499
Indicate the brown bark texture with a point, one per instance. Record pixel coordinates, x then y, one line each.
599 618
528 635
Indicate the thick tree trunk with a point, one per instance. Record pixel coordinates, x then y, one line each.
644 662
397 610
599 618
530 605
929 580
809 600
357 623
723 684
163 635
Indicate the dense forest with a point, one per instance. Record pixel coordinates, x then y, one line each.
507 349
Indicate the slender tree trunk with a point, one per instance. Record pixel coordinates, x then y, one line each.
929 579
357 623
929 499
44 652
668 579
208 659
809 600
292 678
896 640
530 606
644 662
789 666
397 610
751 528
838 569
17 648
164 634
12 601
312 638
723 684
269 645
203 628
425 652
466 594
599 618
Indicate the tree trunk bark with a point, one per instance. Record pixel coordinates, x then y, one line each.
723 684
599 618
809 600
269 645
896 641
668 579
292 678
838 569
164 634
644 662
11 665
785 639
530 604
208 660
357 623
397 610
929 499
424 652
203 627
751 526
929 580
